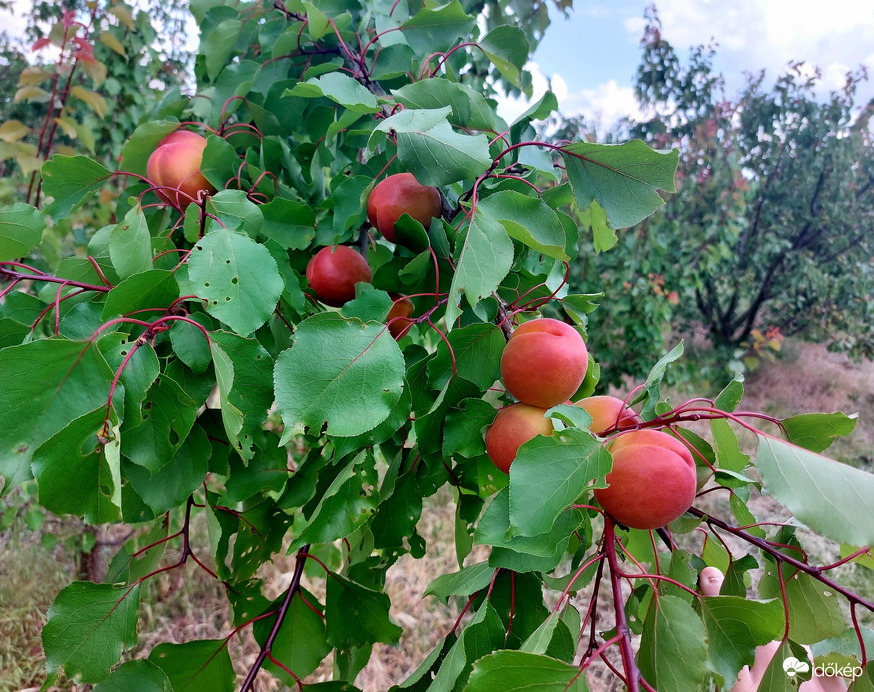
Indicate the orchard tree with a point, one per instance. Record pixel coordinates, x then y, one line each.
223 347
772 227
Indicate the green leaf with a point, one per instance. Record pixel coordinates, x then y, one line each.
831 498
549 473
673 648
730 397
130 244
244 374
440 155
654 380
289 223
46 385
233 207
340 372
136 676
70 181
136 151
218 45
463 434
21 227
817 431
356 615
729 456
465 582
476 350
300 644
735 627
340 88
436 29
508 49
484 260
603 237
518 671
77 474
469 107
238 277
89 625
348 503
529 220
167 417
191 344
623 178
198 666
484 633
176 480
156 288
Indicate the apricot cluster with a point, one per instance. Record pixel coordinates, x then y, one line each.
653 480
543 364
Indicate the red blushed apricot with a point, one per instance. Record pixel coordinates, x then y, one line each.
653 437
513 427
607 412
333 273
398 319
401 194
175 163
649 486
544 362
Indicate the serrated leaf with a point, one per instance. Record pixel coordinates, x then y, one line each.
465 582
89 625
549 473
238 277
730 396
130 244
21 227
735 627
507 48
476 354
218 45
529 220
70 181
440 155
623 178
817 431
673 647
79 475
484 633
156 288
356 615
463 433
347 503
519 671
289 223
46 385
300 644
136 676
434 29
831 498
469 107
340 88
198 666
340 372
484 260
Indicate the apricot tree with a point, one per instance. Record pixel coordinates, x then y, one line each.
160 365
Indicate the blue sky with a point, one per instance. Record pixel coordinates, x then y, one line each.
592 55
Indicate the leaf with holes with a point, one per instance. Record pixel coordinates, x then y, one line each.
237 277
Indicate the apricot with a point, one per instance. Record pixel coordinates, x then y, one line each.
175 163
653 437
649 486
398 319
401 194
544 362
608 412
333 273
513 427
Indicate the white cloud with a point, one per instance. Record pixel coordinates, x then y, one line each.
752 34
603 105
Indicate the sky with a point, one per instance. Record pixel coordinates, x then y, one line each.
590 58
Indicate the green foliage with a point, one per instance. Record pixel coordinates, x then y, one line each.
162 366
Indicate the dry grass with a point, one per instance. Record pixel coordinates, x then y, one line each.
187 604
